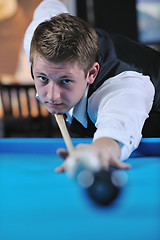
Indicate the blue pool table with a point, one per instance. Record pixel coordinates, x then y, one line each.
38 204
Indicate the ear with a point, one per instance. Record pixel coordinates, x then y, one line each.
92 73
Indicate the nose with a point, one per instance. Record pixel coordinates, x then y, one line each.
53 92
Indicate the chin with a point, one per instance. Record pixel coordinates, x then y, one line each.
53 110
56 111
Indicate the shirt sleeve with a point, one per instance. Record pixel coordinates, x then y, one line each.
45 10
120 107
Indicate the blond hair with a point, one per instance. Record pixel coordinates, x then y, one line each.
65 38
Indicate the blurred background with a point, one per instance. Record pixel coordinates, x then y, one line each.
20 113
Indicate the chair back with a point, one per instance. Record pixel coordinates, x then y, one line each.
22 114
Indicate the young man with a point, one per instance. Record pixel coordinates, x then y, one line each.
105 84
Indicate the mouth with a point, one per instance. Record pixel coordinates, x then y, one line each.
54 105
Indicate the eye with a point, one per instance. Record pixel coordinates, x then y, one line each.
65 81
43 79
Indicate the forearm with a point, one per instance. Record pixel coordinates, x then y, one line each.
45 10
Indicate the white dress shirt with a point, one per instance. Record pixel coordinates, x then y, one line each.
119 107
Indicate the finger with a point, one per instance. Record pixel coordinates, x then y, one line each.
112 162
120 165
60 168
62 153
81 145
105 164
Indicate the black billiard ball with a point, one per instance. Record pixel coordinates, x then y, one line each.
103 190
102 186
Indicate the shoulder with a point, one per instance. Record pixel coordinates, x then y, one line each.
126 83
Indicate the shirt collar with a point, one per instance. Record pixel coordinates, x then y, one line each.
79 111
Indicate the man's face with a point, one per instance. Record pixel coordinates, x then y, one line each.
59 86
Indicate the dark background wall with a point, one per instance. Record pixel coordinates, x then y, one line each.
115 16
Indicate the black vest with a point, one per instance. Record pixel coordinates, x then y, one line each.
118 54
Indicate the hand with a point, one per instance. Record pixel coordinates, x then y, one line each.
63 154
106 150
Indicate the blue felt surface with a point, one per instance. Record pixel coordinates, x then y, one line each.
38 204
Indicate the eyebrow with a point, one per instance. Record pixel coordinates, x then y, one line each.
66 76
69 75
39 73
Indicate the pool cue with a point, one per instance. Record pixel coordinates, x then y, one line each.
67 139
64 131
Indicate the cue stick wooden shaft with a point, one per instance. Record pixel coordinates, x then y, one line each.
64 131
